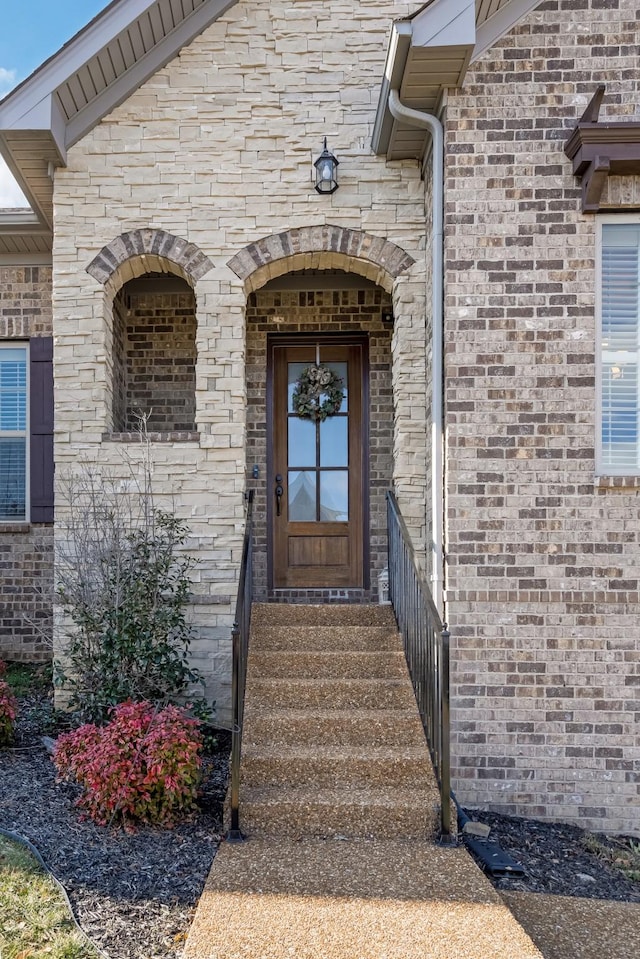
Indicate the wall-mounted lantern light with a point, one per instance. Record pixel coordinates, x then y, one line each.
326 171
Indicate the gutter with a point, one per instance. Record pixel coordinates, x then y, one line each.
426 121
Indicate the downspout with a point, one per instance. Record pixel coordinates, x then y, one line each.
426 121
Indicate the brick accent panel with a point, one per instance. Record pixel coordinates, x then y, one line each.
373 257
26 550
325 311
155 356
543 583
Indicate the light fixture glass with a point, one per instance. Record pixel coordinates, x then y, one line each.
326 171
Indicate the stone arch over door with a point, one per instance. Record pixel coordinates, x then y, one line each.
320 247
278 273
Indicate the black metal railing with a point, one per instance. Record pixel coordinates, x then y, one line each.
426 644
240 636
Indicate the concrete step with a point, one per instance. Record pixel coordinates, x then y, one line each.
337 727
325 639
350 813
273 665
326 766
296 614
332 693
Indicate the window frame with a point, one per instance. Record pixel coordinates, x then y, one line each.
619 219
12 345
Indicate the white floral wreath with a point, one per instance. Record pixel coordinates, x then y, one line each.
314 383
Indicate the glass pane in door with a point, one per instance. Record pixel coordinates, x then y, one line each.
334 496
302 496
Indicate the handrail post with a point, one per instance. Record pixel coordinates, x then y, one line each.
240 646
234 834
445 722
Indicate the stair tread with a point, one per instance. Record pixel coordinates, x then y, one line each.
354 796
325 638
323 614
270 750
375 715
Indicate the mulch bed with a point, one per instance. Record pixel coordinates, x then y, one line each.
558 860
135 894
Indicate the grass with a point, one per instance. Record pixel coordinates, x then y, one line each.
621 853
35 918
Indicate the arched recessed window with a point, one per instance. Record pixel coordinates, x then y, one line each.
154 354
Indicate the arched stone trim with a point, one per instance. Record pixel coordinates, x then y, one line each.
162 252
320 247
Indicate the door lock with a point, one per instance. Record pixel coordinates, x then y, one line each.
279 492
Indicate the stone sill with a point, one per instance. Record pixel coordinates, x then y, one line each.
617 482
171 436
17 527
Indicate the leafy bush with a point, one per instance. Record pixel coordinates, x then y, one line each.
8 709
124 585
142 766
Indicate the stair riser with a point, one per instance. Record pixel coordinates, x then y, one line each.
326 666
294 614
355 773
331 694
402 731
284 820
325 639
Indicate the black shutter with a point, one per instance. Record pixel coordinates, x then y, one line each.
41 421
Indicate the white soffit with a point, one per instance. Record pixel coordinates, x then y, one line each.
89 76
430 52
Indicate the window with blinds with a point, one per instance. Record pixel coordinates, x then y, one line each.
13 432
619 449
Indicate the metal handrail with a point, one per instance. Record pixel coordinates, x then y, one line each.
240 637
426 644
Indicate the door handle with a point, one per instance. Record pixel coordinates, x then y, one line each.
279 492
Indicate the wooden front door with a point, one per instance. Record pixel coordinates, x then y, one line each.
317 469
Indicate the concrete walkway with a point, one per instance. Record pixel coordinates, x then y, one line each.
332 899
571 928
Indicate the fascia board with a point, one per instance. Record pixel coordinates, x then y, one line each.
27 259
500 23
445 23
47 115
399 45
36 210
19 221
118 91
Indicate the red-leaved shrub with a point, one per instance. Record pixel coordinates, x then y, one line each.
142 766
8 709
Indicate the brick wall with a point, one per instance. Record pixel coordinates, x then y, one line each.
328 311
543 562
155 357
26 549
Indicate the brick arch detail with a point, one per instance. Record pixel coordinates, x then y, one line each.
320 247
122 258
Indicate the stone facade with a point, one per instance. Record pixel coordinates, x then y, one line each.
205 172
543 556
26 549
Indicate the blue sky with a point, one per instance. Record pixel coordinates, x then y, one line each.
32 31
